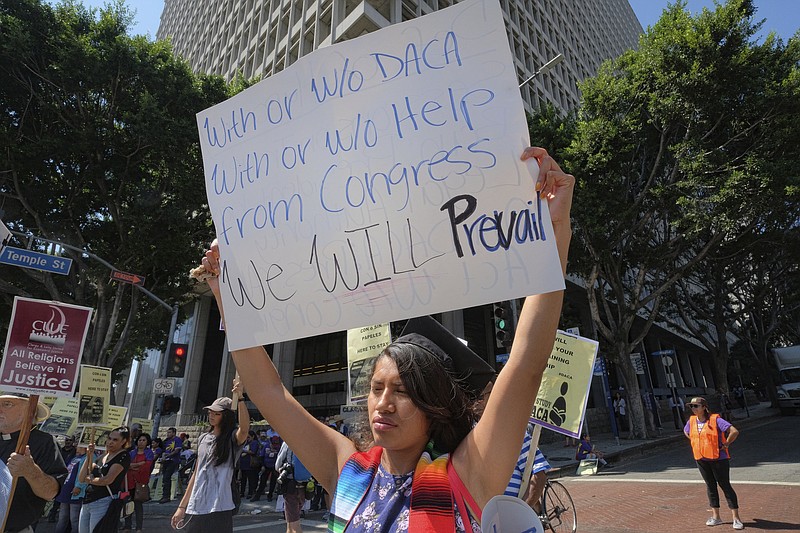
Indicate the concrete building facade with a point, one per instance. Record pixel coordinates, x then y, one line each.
262 37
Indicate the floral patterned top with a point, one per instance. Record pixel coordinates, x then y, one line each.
386 506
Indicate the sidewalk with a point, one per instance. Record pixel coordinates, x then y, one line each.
563 459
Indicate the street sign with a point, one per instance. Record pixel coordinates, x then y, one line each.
127 277
35 260
638 363
164 386
660 353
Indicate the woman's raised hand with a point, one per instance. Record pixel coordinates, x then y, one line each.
553 184
211 264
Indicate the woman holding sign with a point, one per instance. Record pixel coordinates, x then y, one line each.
105 479
419 406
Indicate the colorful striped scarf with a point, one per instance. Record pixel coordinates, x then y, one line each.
431 494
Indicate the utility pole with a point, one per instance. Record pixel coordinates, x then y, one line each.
163 371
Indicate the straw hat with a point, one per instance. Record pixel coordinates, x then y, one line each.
42 411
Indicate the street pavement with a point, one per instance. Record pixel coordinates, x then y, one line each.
654 485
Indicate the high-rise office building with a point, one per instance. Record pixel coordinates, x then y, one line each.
261 37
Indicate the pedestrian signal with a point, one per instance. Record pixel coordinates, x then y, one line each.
172 404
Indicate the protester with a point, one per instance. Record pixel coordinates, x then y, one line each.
676 405
170 461
587 450
538 474
142 458
538 479
157 445
136 432
208 503
71 495
621 412
188 457
40 469
68 452
294 488
269 475
249 465
711 437
106 480
414 399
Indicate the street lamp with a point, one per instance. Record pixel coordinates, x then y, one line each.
545 68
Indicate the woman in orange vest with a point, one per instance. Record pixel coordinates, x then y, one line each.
711 436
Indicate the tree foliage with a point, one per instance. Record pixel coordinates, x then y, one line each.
100 151
683 146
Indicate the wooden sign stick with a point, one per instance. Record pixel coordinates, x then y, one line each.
22 443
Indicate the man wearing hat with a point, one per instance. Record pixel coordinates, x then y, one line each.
40 470
136 432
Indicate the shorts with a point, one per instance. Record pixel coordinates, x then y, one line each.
294 500
217 522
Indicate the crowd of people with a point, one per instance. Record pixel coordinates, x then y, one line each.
435 412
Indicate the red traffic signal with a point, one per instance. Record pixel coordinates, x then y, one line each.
176 363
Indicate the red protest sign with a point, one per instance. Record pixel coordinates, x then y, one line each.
43 347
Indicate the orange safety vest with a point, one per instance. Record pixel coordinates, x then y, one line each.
706 443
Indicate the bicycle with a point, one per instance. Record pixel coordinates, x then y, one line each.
558 510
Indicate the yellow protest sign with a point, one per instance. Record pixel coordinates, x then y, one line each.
562 397
363 345
116 415
94 394
101 434
63 417
146 423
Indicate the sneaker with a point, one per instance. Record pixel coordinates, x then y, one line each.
737 524
713 521
326 516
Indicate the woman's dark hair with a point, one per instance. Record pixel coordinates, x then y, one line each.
224 440
124 432
435 391
158 442
145 435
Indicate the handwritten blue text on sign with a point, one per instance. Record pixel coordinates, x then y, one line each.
375 180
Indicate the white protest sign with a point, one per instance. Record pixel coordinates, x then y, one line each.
375 180
5 235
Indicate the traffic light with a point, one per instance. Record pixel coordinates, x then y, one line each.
503 324
176 364
172 404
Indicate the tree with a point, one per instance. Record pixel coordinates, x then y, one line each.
100 151
678 147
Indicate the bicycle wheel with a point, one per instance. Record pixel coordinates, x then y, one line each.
558 510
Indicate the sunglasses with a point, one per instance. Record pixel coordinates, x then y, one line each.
695 405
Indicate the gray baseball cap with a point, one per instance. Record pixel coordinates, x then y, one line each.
220 404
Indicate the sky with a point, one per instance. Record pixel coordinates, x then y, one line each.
782 15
